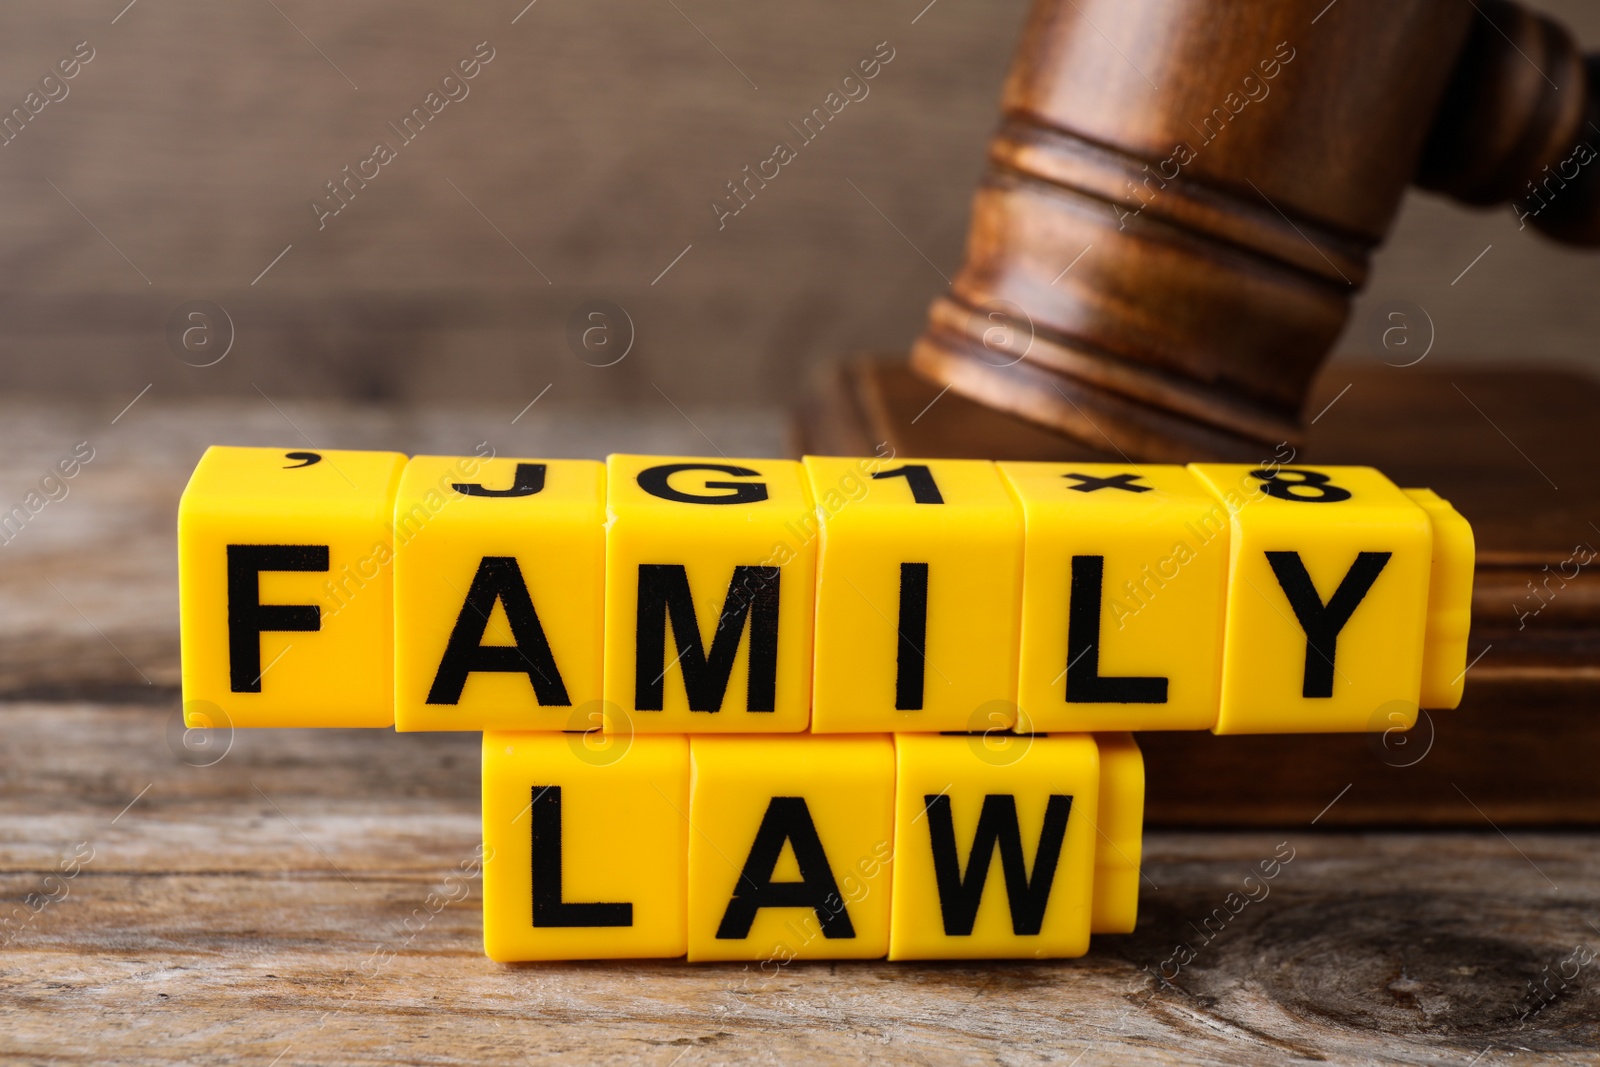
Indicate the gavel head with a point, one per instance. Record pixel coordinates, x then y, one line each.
1183 198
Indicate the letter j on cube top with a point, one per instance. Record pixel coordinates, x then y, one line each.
330 588
499 585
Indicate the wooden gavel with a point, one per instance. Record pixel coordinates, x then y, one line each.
1184 196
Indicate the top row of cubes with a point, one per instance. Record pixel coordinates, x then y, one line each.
693 595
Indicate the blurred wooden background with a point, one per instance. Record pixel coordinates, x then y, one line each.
581 166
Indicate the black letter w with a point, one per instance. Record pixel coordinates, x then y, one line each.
997 827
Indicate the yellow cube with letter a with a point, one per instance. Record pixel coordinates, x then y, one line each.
995 846
286 587
709 570
585 837
1327 599
499 593
1122 597
919 577
792 849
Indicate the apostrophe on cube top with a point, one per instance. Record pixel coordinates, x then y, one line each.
285 583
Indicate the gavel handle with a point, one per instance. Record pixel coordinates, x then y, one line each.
1520 122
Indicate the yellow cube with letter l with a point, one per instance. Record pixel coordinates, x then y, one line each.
499 587
709 571
919 573
1327 599
286 589
586 837
1123 592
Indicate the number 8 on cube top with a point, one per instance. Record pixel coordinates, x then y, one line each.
661 594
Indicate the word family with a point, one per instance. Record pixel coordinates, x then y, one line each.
922 664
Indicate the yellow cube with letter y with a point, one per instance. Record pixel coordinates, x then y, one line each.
1327 599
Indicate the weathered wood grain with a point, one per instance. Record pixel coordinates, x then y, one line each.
214 924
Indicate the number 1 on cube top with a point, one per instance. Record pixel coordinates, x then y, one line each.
918 579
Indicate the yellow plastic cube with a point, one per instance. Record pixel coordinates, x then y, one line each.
1119 844
1444 651
285 588
1327 599
709 570
499 585
919 578
1123 596
792 846
585 838
994 846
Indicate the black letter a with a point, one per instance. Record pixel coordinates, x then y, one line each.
997 827
498 579
787 819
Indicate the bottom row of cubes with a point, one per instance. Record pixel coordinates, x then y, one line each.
777 848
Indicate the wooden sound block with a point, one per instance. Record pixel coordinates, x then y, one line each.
1498 444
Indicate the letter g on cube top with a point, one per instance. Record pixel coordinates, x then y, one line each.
709 595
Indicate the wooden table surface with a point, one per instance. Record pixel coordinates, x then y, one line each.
266 903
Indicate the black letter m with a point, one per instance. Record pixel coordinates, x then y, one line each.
664 594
